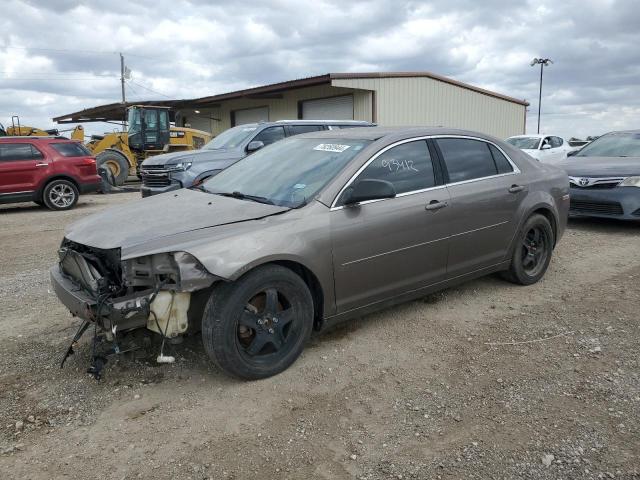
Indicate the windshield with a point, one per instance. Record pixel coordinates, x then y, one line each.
230 138
526 143
287 173
613 145
133 119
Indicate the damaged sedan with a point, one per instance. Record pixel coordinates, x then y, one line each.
307 232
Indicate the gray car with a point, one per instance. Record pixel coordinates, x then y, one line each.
311 231
171 171
605 177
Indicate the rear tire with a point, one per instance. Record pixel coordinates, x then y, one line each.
60 195
257 326
532 251
115 162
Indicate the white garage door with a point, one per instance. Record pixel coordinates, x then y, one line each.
251 115
335 108
199 123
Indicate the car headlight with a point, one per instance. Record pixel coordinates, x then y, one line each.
630 182
179 167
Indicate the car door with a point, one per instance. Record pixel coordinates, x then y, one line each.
486 189
20 167
558 149
382 248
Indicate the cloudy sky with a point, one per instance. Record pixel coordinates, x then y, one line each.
59 56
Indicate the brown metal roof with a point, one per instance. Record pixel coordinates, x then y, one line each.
324 79
112 112
116 111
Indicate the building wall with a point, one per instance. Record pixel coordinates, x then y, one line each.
285 108
429 102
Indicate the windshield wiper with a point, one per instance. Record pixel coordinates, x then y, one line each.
244 196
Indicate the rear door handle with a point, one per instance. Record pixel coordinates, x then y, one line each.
435 205
516 188
42 164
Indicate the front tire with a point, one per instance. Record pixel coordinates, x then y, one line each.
532 252
257 326
115 162
60 195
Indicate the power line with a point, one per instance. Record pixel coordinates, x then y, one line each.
9 72
148 89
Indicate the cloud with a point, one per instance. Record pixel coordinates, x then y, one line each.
58 56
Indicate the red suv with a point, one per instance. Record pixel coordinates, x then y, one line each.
51 171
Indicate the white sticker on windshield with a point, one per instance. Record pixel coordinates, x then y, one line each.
331 147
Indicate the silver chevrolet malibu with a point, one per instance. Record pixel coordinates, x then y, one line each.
307 232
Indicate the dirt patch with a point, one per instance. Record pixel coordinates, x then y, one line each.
416 391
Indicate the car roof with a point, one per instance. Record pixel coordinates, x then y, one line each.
307 122
392 133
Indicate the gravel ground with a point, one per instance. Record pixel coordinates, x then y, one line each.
487 380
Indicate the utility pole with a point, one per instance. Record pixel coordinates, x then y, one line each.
122 77
544 62
124 101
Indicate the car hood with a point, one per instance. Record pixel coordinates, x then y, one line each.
601 166
193 156
172 213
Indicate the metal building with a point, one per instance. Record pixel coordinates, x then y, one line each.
389 99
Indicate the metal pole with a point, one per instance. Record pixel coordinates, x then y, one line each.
539 95
124 101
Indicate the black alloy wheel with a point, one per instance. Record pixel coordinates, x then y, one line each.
532 253
257 326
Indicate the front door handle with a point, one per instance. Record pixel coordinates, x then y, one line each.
435 205
42 164
516 188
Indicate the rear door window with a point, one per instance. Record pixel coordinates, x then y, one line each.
502 164
466 159
70 149
270 135
18 151
298 129
407 166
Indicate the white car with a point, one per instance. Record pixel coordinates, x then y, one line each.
545 148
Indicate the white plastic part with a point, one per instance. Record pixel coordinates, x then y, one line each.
170 309
165 359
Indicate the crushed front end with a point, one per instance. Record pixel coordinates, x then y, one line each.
116 296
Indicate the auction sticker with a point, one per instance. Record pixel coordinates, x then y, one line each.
331 147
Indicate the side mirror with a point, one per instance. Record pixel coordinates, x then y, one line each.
368 189
546 146
255 145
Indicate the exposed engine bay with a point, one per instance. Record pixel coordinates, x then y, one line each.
116 296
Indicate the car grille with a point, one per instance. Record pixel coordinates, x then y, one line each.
155 176
597 186
599 208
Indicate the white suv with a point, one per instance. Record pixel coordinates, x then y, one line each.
545 148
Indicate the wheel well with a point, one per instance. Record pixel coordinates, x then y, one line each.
314 287
57 177
548 214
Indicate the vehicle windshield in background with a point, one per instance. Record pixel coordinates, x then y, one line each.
526 143
286 173
230 138
613 145
133 119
